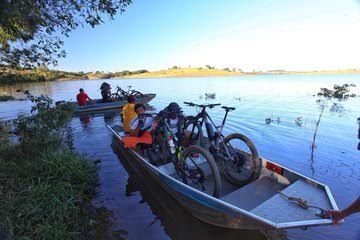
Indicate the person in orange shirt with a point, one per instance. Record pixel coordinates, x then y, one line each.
128 114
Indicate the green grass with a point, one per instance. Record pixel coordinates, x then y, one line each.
6 98
46 196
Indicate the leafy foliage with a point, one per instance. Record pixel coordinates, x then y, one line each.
46 129
31 30
338 92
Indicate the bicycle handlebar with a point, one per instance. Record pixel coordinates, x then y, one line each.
202 105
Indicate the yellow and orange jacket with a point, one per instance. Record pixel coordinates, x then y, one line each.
128 114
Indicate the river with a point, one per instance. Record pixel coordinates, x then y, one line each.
285 99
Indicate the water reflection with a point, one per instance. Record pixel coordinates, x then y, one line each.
359 133
84 119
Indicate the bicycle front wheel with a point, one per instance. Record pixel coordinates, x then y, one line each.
192 132
199 170
240 160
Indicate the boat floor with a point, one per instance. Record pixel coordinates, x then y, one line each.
280 210
253 194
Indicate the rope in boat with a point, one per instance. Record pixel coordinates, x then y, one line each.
304 204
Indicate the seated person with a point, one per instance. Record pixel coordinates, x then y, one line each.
128 114
140 128
174 116
175 119
82 97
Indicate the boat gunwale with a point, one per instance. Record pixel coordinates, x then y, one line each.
110 105
296 224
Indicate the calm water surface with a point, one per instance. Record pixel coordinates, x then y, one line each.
141 210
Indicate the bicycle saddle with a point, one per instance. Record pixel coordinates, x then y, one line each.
228 108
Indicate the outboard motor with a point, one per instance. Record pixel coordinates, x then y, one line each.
105 91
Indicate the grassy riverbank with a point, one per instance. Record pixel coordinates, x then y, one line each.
6 98
11 76
46 188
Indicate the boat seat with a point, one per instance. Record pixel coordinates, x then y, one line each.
280 210
254 193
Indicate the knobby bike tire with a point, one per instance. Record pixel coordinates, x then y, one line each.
115 97
214 169
254 158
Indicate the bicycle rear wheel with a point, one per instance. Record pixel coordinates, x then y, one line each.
241 166
137 94
114 97
199 170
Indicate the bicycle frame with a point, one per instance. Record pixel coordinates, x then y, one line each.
205 118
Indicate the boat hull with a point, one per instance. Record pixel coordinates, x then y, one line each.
98 105
202 206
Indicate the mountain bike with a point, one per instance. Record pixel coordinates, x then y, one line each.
193 165
133 92
235 153
121 94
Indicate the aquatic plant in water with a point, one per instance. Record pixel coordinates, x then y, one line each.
298 121
268 120
208 96
271 119
338 93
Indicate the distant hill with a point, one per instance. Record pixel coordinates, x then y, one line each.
188 72
202 72
10 76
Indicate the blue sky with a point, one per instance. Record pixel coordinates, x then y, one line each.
257 34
